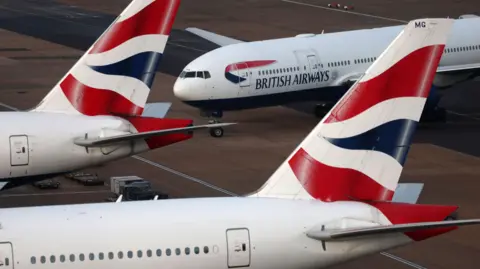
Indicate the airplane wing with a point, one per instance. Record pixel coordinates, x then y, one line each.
103 141
467 68
346 234
213 37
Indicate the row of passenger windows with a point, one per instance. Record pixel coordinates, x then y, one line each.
459 49
278 71
120 255
197 74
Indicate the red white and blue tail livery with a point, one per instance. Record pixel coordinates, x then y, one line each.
358 150
97 112
115 75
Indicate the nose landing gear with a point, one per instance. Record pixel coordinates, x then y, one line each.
214 117
215 132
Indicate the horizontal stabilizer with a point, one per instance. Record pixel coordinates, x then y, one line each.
346 234
103 141
407 193
214 38
156 110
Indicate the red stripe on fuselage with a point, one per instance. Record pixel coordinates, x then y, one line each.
93 102
399 213
397 81
250 64
330 184
156 18
145 124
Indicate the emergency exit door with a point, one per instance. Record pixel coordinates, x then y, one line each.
19 150
6 256
238 244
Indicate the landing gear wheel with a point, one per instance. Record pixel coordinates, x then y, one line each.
216 132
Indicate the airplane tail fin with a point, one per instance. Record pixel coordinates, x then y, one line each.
115 75
358 150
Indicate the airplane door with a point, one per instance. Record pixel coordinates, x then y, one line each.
238 244
313 63
19 150
6 256
243 74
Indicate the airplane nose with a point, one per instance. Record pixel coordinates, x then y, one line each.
180 89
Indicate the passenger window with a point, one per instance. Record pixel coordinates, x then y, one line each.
205 250
120 255
177 251
139 253
159 252
100 256
199 74
187 251
110 255
33 260
62 258
168 252
43 259
72 257
130 254
196 250
91 256
52 259
81 257
7 261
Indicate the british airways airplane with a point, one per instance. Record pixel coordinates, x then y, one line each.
308 67
326 204
97 112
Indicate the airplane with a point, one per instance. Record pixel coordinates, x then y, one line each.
331 201
97 112
320 68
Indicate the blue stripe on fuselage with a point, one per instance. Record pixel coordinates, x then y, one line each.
392 138
234 79
141 66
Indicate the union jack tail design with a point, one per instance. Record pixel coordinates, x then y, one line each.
358 150
115 75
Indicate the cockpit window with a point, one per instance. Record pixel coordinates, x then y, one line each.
197 74
190 75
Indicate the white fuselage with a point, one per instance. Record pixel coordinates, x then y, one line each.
308 67
227 232
36 143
